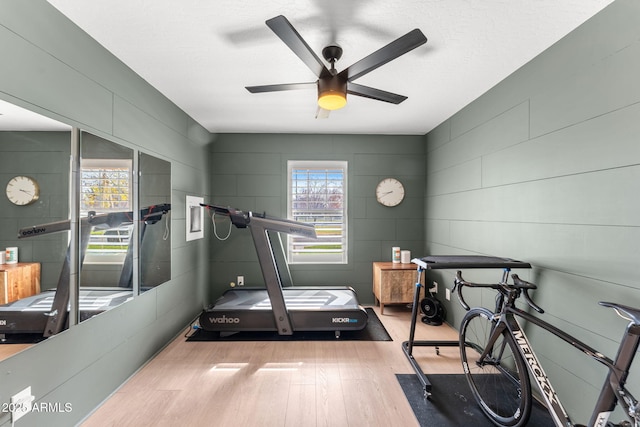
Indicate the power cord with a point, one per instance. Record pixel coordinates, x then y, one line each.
165 236
215 231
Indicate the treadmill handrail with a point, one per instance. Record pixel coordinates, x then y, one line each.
241 220
57 318
286 226
238 218
151 215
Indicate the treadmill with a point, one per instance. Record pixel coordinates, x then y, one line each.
280 306
37 317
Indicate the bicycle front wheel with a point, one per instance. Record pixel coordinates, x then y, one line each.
500 382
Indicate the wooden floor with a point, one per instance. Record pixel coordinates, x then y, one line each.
302 383
8 350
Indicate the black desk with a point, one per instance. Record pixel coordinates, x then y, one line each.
444 262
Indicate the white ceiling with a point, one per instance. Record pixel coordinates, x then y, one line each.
14 118
201 55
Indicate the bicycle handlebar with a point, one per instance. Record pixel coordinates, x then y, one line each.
518 284
525 286
459 282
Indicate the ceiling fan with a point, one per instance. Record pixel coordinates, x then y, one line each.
332 85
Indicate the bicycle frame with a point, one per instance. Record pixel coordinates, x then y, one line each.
613 388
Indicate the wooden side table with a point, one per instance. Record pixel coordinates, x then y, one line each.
19 281
394 283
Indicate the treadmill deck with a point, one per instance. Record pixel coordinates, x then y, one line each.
29 315
310 309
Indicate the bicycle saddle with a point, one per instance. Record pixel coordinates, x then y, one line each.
633 314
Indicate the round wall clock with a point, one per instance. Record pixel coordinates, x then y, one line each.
22 190
389 192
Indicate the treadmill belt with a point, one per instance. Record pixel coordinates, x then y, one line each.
258 299
89 300
30 315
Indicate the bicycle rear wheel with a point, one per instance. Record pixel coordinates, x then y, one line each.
500 383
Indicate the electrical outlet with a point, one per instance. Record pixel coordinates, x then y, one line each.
434 289
21 404
240 281
448 294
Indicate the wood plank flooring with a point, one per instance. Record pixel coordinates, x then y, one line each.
302 383
8 350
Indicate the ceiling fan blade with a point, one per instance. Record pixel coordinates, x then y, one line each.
396 48
283 29
377 94
282 87
321 113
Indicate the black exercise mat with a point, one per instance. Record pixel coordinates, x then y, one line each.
451 403
374 331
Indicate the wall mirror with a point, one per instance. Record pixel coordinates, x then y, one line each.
36 150
107 218
124 235
124 228
155 221
108 197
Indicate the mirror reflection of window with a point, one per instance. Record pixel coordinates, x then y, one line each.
106 186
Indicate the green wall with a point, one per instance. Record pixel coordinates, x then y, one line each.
249 172
45 157
52 67
544 168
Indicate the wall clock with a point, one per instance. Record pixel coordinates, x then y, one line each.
389 192
22 190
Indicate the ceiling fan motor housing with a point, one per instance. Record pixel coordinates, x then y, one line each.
332 53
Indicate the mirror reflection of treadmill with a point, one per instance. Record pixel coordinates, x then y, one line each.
280 306
37 317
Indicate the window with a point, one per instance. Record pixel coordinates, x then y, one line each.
318 196
105 186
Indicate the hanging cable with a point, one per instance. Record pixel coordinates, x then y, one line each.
215 231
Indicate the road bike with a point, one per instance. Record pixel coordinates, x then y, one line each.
497 358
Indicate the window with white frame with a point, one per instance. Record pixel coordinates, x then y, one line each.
317 194
105 187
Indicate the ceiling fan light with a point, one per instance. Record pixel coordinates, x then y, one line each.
332 100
